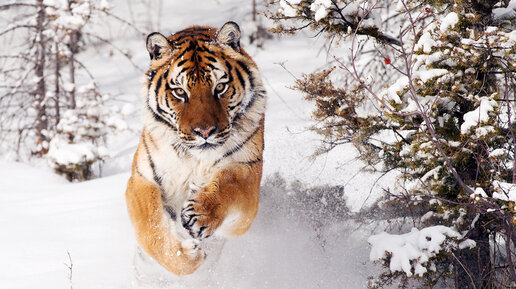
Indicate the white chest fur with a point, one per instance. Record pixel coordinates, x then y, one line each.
180 175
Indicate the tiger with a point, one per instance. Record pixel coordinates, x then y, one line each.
197 169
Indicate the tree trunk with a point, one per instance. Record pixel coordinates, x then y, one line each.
56 90
39 71
71 68
71 65
254 10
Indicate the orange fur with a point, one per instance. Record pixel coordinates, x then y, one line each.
153 234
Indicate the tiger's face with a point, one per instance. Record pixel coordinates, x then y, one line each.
198 82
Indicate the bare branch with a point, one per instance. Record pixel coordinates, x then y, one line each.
116 48
9 5
16 28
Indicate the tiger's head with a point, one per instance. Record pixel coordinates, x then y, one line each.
199 83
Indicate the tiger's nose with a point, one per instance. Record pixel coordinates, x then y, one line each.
204 132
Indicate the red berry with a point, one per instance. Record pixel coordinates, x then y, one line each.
387 60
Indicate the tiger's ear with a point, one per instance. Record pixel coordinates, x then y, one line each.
158 46
229 34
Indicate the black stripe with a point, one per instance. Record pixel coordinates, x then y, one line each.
253 99
246 69
181 54
229 66
182 62
238 147
178 42
250 104
157 178
165 76
192 46
196 37
240 78
137 169
211 66
160 118
184 69
251 162
210 58
171 212
233 106
205 50
223 134
167 102
200 29
158 86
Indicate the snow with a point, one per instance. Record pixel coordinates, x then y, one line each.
43 217
477 116
498 153
411 252
62 152
504 191
394 91
478 194
68 86
449 21
48 217
73 22
468 243
287 9
351 9
425 42
321 9
127 109
428 74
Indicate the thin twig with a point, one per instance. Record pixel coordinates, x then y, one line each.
70 267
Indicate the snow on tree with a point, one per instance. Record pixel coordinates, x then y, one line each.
42 78
443 118
78 142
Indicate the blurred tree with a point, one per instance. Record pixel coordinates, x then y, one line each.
38 73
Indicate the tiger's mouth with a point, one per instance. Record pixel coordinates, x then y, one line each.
205 144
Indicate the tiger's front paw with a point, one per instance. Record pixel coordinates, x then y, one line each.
191 248
187 259
200 215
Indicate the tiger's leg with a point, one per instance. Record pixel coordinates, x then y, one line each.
154 232
229 202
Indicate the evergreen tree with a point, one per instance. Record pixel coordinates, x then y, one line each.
443 120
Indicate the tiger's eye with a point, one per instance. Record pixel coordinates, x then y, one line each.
179 91
180 94
220 87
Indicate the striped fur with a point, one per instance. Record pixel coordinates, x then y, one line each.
197 170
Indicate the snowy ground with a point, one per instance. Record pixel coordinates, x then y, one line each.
43 217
